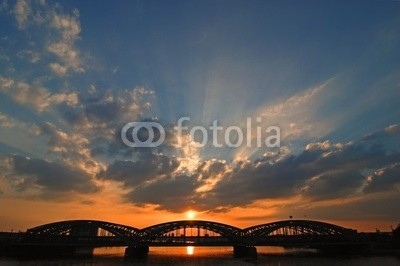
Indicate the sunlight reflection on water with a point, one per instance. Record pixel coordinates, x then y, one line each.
198 251
190 250
211 256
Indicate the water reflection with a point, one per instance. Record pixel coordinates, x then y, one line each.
200 251
204 256
190 250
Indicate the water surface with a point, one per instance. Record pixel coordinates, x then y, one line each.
212 256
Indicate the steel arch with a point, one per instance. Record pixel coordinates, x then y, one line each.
308 227
63 227
234 234
228 231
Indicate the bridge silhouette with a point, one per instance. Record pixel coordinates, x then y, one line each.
82 236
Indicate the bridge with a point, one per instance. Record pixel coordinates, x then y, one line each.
76 237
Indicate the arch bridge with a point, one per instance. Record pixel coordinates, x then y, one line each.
93 233
297 227
72 227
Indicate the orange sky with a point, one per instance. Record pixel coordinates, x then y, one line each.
21 214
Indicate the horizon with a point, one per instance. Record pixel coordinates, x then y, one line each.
264 111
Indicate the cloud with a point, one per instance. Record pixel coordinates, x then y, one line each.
89 132
297 116
22 11
173 193
62 33
29 55
110 109
48 177
333 184
67 25
6 84
71 148
90 128
68 28
323 171
4 6
58 69
7 121
27 12
392 130
386 178
35 96
100 117
69 57
147 167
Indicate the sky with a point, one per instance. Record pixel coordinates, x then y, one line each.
326 73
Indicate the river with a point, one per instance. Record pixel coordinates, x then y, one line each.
213 256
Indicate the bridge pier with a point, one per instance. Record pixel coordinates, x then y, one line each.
244 251
136 251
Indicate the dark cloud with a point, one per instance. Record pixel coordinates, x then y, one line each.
212 167
384 179
102 111
323 171
392 130
327 172
98 120
331 185
51 176
69 147
146 167
170 193
114 146
108 110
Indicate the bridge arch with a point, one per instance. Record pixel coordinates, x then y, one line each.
297 227
227 231
68 227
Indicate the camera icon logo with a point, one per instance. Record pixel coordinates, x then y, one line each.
149 142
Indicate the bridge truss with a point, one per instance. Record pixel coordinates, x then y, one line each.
162 234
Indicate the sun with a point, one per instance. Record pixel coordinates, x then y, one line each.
191 214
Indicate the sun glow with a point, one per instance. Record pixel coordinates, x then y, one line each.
190 250
191 214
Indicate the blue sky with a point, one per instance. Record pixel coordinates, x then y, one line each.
327 73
